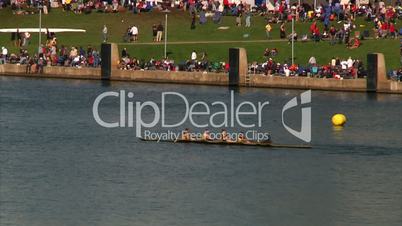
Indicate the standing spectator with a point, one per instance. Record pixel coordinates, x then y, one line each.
346 36
18 38
282 32
25 39
268 30
13 36
203 18
104 33
332 35
350 62
191 7
4 53
238 19
159 32
185 3
134 33
248 18
154 32
218 14
316 35
192 27
392 32
124 53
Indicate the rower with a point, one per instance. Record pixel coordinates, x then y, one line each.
224 135
206 136
185 135
242 139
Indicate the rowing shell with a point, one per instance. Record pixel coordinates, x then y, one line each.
219 142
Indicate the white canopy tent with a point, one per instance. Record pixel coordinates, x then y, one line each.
249 2
42 30
270 5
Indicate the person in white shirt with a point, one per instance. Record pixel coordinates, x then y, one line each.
104 33
134 32
4 53
221 8
312 61
333 62
344 64
194 56
346 26
381 5
350 62
286 70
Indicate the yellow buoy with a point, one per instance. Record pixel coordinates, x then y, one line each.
338 120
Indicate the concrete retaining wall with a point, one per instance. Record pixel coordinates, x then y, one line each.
172 77
391 86
12 69
204 78
308 83
52 72
71 72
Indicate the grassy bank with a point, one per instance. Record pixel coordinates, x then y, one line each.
179 30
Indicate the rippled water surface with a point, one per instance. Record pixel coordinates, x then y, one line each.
59 167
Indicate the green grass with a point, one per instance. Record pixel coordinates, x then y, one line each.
179 30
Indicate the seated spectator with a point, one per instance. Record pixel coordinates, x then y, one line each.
293 37
354 43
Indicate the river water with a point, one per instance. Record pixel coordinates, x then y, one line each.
59 167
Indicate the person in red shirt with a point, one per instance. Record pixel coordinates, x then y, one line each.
353 8
227 67
317 35
390 14
281 9
392 31
384 29
356 43
293 67
313 27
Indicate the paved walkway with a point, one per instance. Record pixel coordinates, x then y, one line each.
203 42
218 42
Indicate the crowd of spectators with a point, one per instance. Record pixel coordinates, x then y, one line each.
51 54
382 16
337 68
395 74
195 63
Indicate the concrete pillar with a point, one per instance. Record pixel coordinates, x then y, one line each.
110 59
238 67
376 73
383 82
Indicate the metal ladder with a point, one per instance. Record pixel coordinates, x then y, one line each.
247 80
